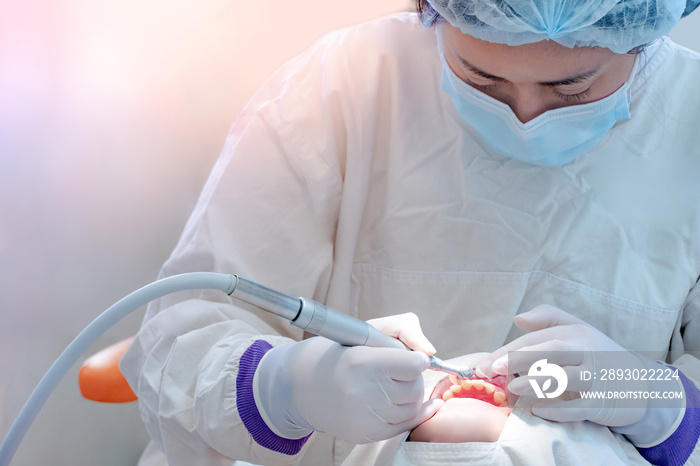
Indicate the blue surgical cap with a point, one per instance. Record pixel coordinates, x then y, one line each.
619 25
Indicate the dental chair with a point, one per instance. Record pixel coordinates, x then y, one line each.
100 378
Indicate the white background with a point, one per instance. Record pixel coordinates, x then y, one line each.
112 113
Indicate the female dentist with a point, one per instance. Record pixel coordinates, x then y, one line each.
464 165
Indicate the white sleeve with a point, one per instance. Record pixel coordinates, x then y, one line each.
268 213
690 323
682 446
689 364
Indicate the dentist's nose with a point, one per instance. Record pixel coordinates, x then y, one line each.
528 103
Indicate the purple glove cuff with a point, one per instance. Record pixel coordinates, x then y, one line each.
676 449
247 409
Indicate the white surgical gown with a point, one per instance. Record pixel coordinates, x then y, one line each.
351 179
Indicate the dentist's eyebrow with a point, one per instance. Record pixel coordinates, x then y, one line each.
478 71
574 79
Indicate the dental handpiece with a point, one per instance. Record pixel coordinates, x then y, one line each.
306 314
321 320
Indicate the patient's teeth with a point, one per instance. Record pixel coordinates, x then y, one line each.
499 397
489 391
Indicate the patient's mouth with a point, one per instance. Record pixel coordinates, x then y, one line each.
487 390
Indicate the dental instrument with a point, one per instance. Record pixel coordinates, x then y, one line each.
320 320
306 314
438 364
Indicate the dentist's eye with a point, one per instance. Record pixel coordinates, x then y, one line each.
578 97
481 87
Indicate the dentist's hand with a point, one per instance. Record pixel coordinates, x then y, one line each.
576 347
358 394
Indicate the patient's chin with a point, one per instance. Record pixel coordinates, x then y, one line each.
492 391
475 410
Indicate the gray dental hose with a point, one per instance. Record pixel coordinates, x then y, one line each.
306 314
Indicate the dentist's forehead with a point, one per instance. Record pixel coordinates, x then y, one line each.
539 62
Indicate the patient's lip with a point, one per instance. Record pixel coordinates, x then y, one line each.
490 390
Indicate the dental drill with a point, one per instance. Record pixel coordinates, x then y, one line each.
320 320
306 314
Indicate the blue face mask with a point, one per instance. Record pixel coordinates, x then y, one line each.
553 138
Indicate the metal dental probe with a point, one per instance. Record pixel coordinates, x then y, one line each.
320 320
437 364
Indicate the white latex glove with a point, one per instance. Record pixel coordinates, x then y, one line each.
574 345
358 394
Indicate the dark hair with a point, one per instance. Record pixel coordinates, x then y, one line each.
640 49
427 14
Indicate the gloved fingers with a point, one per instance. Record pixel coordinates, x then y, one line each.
425 412
400 393
582 409
561 338
344 391
565 411
560 352
555 339
522 386
544 316
401 365
399 413
406 327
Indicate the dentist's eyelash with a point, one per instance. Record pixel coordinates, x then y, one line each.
573 97
581 96
482 87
